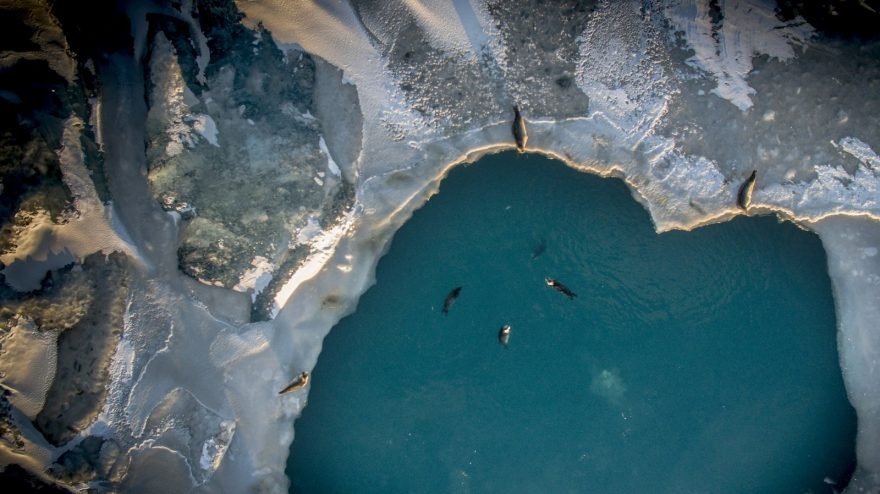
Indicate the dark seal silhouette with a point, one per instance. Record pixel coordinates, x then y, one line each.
559 287
539 249
744 196
450 299
519 130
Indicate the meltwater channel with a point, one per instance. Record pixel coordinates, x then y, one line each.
700 361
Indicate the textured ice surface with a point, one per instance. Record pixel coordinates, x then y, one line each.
290 145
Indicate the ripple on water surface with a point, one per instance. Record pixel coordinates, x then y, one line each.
699 361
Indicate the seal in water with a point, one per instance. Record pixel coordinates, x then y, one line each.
504 335
519 130
744 196
450 299
539 249
297 384
559 287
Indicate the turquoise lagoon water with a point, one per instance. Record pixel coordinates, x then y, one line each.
689 362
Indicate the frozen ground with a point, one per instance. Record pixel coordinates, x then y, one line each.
259 166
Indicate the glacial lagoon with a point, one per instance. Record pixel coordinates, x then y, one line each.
701 361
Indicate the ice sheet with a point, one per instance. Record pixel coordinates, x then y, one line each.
194 390
852 244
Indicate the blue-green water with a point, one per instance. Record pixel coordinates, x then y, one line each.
699 361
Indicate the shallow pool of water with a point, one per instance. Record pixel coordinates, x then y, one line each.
699 361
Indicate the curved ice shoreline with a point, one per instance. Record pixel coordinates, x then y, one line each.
193 399
845 238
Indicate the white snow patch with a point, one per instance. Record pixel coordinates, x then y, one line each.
309 232
725 50
206 127
215 448
334 169
861 151
206 460
256 278
833 191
